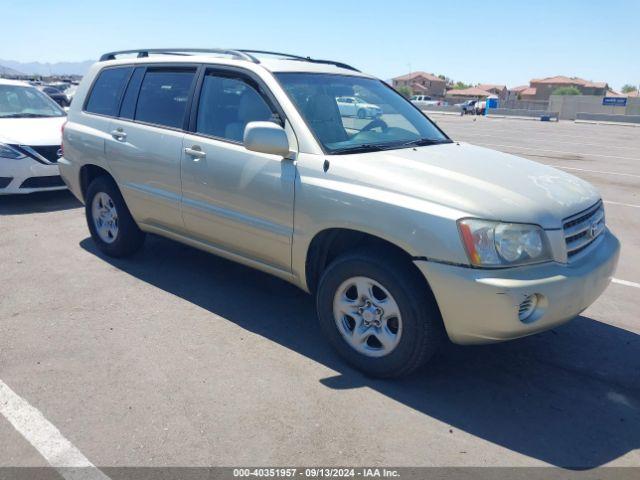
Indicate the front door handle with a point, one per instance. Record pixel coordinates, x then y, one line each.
195 152
119 135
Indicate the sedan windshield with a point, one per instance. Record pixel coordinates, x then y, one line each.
17 101
378 118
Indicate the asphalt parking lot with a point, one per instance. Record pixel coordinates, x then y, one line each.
176 357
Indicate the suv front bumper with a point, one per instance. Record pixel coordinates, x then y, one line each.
481 305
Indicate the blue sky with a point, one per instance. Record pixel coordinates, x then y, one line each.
490 41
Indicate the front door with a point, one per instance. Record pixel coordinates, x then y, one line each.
234 199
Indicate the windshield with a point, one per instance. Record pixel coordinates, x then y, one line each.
17 101
379 119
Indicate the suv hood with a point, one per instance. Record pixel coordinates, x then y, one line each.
31 131
480 182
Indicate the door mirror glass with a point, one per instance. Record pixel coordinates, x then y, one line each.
266 137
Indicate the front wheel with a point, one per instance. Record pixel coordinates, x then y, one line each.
112 227
378 313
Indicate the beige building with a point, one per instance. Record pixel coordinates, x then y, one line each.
473 93
499 91
543 88
422 83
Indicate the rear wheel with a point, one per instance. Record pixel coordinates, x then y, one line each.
378 313
112 227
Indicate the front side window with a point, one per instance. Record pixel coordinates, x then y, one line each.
107 89
163 96
227 104
18 101
378 118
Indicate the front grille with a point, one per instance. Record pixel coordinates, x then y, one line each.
43 182
582 229
48 152
5 181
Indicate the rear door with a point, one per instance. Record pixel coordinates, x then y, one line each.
144 144
234 199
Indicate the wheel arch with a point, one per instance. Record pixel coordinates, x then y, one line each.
88 173
328 244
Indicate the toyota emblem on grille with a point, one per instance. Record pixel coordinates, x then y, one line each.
593 230
59 153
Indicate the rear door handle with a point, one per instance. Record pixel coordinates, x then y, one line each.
195 152
119 135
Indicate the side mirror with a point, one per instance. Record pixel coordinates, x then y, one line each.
266 137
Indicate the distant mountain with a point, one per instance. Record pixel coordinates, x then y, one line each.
37 68
9 71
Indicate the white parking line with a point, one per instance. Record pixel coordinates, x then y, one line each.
546 139
621 204
596 171
564 152
626 283
46 438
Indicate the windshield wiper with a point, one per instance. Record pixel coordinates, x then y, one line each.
367 147
27 115
423 142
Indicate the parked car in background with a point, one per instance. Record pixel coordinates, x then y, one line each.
404 236
425 100
480 107
56 94
357 107
467 107
30 137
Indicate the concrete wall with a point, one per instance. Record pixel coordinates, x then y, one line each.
606 118
570 105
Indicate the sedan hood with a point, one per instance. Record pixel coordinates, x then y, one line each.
31 131
480 182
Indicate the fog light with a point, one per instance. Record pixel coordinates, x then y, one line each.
527 307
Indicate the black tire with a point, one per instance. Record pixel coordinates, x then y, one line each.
422 327
129 237
362 114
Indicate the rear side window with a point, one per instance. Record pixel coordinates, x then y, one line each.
163 96
105 94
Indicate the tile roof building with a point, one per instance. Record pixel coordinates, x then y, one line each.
422 83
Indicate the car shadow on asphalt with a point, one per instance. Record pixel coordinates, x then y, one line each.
39 202
569 397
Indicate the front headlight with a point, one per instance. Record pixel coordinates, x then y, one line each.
11 153
496 244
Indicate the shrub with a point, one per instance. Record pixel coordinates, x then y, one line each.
566 91
405 91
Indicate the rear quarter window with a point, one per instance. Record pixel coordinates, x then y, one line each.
104 98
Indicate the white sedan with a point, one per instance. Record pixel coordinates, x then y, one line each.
30 139
356 107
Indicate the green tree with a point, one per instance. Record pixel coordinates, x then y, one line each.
566 91
405 91
629 88
461 85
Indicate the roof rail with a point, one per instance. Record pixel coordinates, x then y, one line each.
142 53
239 54
300 58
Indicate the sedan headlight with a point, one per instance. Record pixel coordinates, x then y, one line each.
496 244
11 153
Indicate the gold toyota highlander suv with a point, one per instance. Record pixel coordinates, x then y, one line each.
404 236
